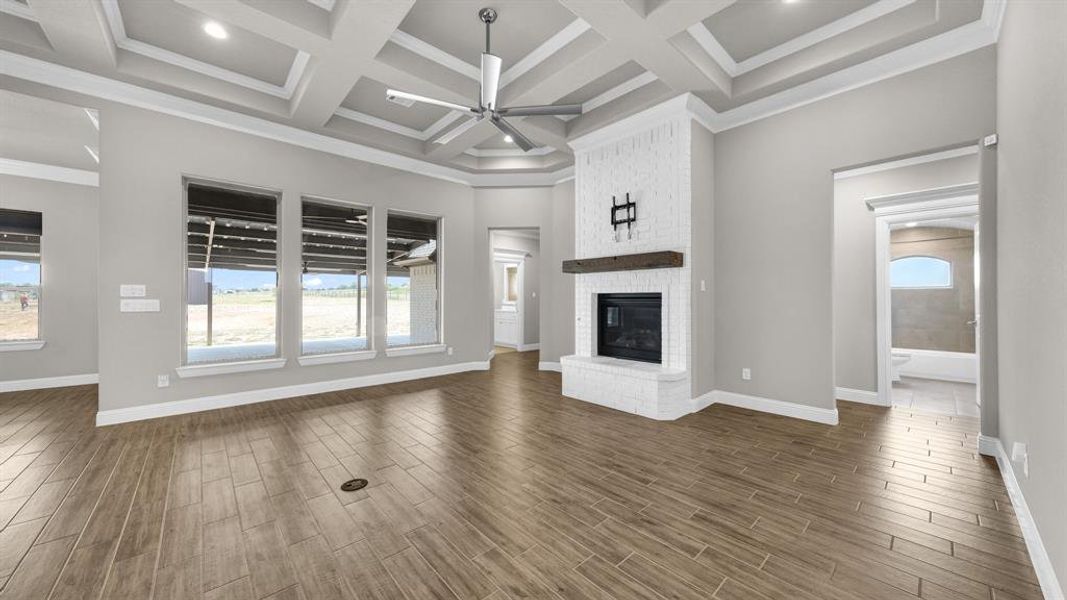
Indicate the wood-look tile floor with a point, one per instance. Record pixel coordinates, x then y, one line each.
492 485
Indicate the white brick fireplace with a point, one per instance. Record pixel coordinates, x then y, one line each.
649 158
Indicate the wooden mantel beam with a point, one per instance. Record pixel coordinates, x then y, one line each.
665 259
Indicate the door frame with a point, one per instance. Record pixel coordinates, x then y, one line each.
923 205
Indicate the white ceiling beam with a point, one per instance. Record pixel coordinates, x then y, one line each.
78 31
674 16
642 42
360 29
470 136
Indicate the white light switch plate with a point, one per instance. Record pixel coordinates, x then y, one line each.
132 290
139 305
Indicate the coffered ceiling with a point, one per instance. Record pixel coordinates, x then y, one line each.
324 65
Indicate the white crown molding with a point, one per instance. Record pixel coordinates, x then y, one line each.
861 396
456 131
435 54
17 9
181 407
715 50
81 82
906 162
94 118
541 53
951 196
113 16
619 91
1046 574
959 41
684 105
359 117
507 152
326 5
32 170
19 385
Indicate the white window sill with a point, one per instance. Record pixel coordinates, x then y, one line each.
412 350
243 366
336 357
21 346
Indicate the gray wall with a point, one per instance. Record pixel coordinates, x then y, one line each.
1032 249
69 248
774 215
142 235
855 318
531 281
551 211
702 262
935 319
141 231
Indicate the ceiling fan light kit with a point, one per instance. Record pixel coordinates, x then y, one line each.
487 101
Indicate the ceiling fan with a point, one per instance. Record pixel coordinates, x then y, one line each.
487 107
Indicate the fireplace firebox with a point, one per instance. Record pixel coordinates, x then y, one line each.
630 326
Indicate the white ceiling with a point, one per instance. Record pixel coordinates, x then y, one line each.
322 65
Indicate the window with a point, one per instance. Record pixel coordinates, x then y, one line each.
231 274
920 272
20 275
334 263
412 285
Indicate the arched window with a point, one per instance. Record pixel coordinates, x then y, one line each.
920 272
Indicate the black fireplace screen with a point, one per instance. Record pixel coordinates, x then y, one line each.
630 326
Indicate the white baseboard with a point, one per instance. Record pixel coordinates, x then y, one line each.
550 366
181 407
1046 575
862 396
19 385
827 416
528 347
703 401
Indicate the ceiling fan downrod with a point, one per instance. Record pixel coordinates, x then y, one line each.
487 16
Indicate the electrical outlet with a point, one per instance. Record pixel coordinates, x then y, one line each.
450 350
163 381
746 374
703 285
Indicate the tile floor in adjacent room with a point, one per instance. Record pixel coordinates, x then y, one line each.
940 397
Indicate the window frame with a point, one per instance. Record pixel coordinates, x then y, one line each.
951 274
368 324
220 366
38 342
382 263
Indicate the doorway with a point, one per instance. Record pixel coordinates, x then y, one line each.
927 291
515 275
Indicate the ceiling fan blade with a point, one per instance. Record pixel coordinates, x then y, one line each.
520 140
550 109
450 105
490 79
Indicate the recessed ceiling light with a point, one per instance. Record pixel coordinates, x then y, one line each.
790 1
215 30
910 224
507 138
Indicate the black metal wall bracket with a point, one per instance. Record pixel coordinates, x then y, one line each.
623 214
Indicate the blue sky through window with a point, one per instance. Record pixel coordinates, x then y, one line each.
17 272
920 272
